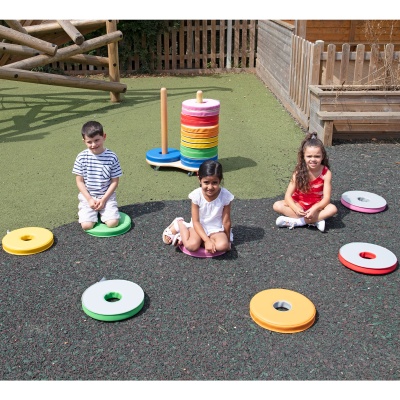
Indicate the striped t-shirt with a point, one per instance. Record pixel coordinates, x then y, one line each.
97 170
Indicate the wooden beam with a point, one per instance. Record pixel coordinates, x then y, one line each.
24 51
90 60
358 115
67 52
17 49
16 25
55 26
301 28
352 30
60 80
71 31
22 38
113 68
353 55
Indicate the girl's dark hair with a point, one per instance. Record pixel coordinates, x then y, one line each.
210 168
91 129
301 171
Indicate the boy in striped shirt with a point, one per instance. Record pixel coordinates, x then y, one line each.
97 171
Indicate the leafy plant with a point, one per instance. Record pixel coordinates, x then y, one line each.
49 70
140 37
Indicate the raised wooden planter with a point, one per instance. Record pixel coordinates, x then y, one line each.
359 100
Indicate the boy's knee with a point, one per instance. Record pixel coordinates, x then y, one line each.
87 225
112 223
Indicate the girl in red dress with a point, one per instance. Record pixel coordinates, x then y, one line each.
308 196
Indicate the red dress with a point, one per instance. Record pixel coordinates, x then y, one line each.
307 200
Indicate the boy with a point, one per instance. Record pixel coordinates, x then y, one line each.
97 171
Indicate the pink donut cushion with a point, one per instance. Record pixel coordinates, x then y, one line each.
366 202
201 252
362 209
207 108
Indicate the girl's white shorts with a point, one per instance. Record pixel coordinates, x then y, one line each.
210 231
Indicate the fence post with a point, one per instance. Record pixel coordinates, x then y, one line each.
373 64
229 44
358 65
344 64
315 70
388 64
330 64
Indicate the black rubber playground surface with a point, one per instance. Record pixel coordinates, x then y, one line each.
195 324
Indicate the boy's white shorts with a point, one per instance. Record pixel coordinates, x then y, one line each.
87 214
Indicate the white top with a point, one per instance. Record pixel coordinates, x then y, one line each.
210 212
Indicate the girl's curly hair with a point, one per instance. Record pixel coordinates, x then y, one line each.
301 171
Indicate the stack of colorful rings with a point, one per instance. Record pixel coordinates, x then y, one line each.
199 131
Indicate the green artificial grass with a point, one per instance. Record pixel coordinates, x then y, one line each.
40 138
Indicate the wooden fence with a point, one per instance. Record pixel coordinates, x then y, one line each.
288 64
313 66
197 45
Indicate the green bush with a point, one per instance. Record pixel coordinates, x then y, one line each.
134 31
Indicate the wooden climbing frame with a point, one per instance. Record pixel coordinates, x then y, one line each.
30 44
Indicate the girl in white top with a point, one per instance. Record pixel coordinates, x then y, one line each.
210 225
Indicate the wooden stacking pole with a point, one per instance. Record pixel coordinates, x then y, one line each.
164 121
67 52
71 31
199 96
22 38
16 25
13 74
113 67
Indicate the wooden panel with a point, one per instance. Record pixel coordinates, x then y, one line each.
189 48
244 45
204 49
359 115
389 51
252 35
373 64
222 29
174 49
166 52
354 114
236 43
344 65
182 47
358 68
330 64
213 39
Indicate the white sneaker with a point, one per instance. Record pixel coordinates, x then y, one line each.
286 222
320 225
